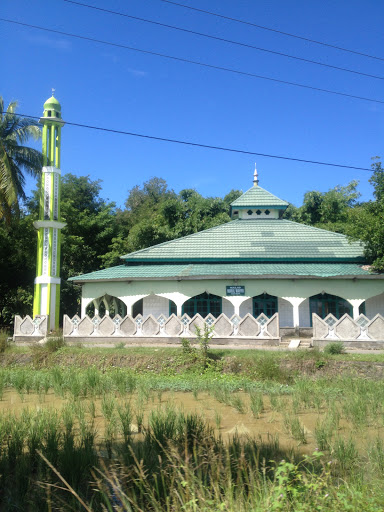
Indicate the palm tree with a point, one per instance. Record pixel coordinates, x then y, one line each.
16 158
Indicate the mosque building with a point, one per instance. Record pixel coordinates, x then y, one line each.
256 263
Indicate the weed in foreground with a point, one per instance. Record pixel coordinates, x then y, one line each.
256 404
336 347
295 428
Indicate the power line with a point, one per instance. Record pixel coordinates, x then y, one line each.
230 41
244 22
188 61
196 144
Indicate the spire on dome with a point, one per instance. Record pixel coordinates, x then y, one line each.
255 177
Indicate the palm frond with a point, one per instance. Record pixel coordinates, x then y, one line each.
16 158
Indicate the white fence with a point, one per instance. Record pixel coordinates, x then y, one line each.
346 329
164 328
172 326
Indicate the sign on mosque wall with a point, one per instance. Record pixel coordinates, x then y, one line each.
235 290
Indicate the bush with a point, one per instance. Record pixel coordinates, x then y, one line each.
54 343
336 347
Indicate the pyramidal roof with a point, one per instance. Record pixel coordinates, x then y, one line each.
258 197
265 240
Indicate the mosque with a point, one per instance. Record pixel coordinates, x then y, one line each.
256 263
258 275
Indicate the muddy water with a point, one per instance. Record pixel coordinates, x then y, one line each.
225 419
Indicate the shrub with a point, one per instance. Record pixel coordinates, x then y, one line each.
54 343
336 347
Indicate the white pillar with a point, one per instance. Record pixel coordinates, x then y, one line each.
295 301
84 304
178 298
96 303
129 301
356 303
236 302
106 304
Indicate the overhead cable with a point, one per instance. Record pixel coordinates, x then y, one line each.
289 34
204 146
230 41
189 61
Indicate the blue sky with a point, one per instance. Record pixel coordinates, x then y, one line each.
125 90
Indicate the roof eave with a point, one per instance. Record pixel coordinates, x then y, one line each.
291 277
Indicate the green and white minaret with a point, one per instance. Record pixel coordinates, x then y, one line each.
46 299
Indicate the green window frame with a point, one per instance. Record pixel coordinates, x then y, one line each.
323 304
264 303
172 308
204 304
137 308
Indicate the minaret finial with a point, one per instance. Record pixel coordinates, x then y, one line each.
53 92
255 177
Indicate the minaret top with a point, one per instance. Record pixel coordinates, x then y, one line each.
52 107
255 177
52 111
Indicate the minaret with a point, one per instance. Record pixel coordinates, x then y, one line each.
46 299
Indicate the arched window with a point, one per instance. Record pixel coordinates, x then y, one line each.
264 303
203 304
323 304
137 308
101 305
172 308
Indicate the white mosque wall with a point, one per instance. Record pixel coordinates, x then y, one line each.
285 310
304 314
227 308
374 305
179 291
155 305
246 307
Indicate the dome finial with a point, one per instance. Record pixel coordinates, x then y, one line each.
53 92
255 177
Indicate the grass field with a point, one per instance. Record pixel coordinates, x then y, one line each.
180 430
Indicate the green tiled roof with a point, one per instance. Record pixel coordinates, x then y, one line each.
258 197
179 271
254 240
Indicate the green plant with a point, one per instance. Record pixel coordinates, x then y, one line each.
238 404
4 344
336 347
54 343
187 348
295 428
203 337
218 419
256 404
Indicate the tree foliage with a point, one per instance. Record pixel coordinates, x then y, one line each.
15 157
156 214
366 221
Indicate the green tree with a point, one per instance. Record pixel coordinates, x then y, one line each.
15 157
87 236
156 214
327 210
90 228
17 267
367 220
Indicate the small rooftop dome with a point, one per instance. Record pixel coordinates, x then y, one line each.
52 104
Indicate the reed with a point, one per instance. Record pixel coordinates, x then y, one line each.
295 428
256 404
